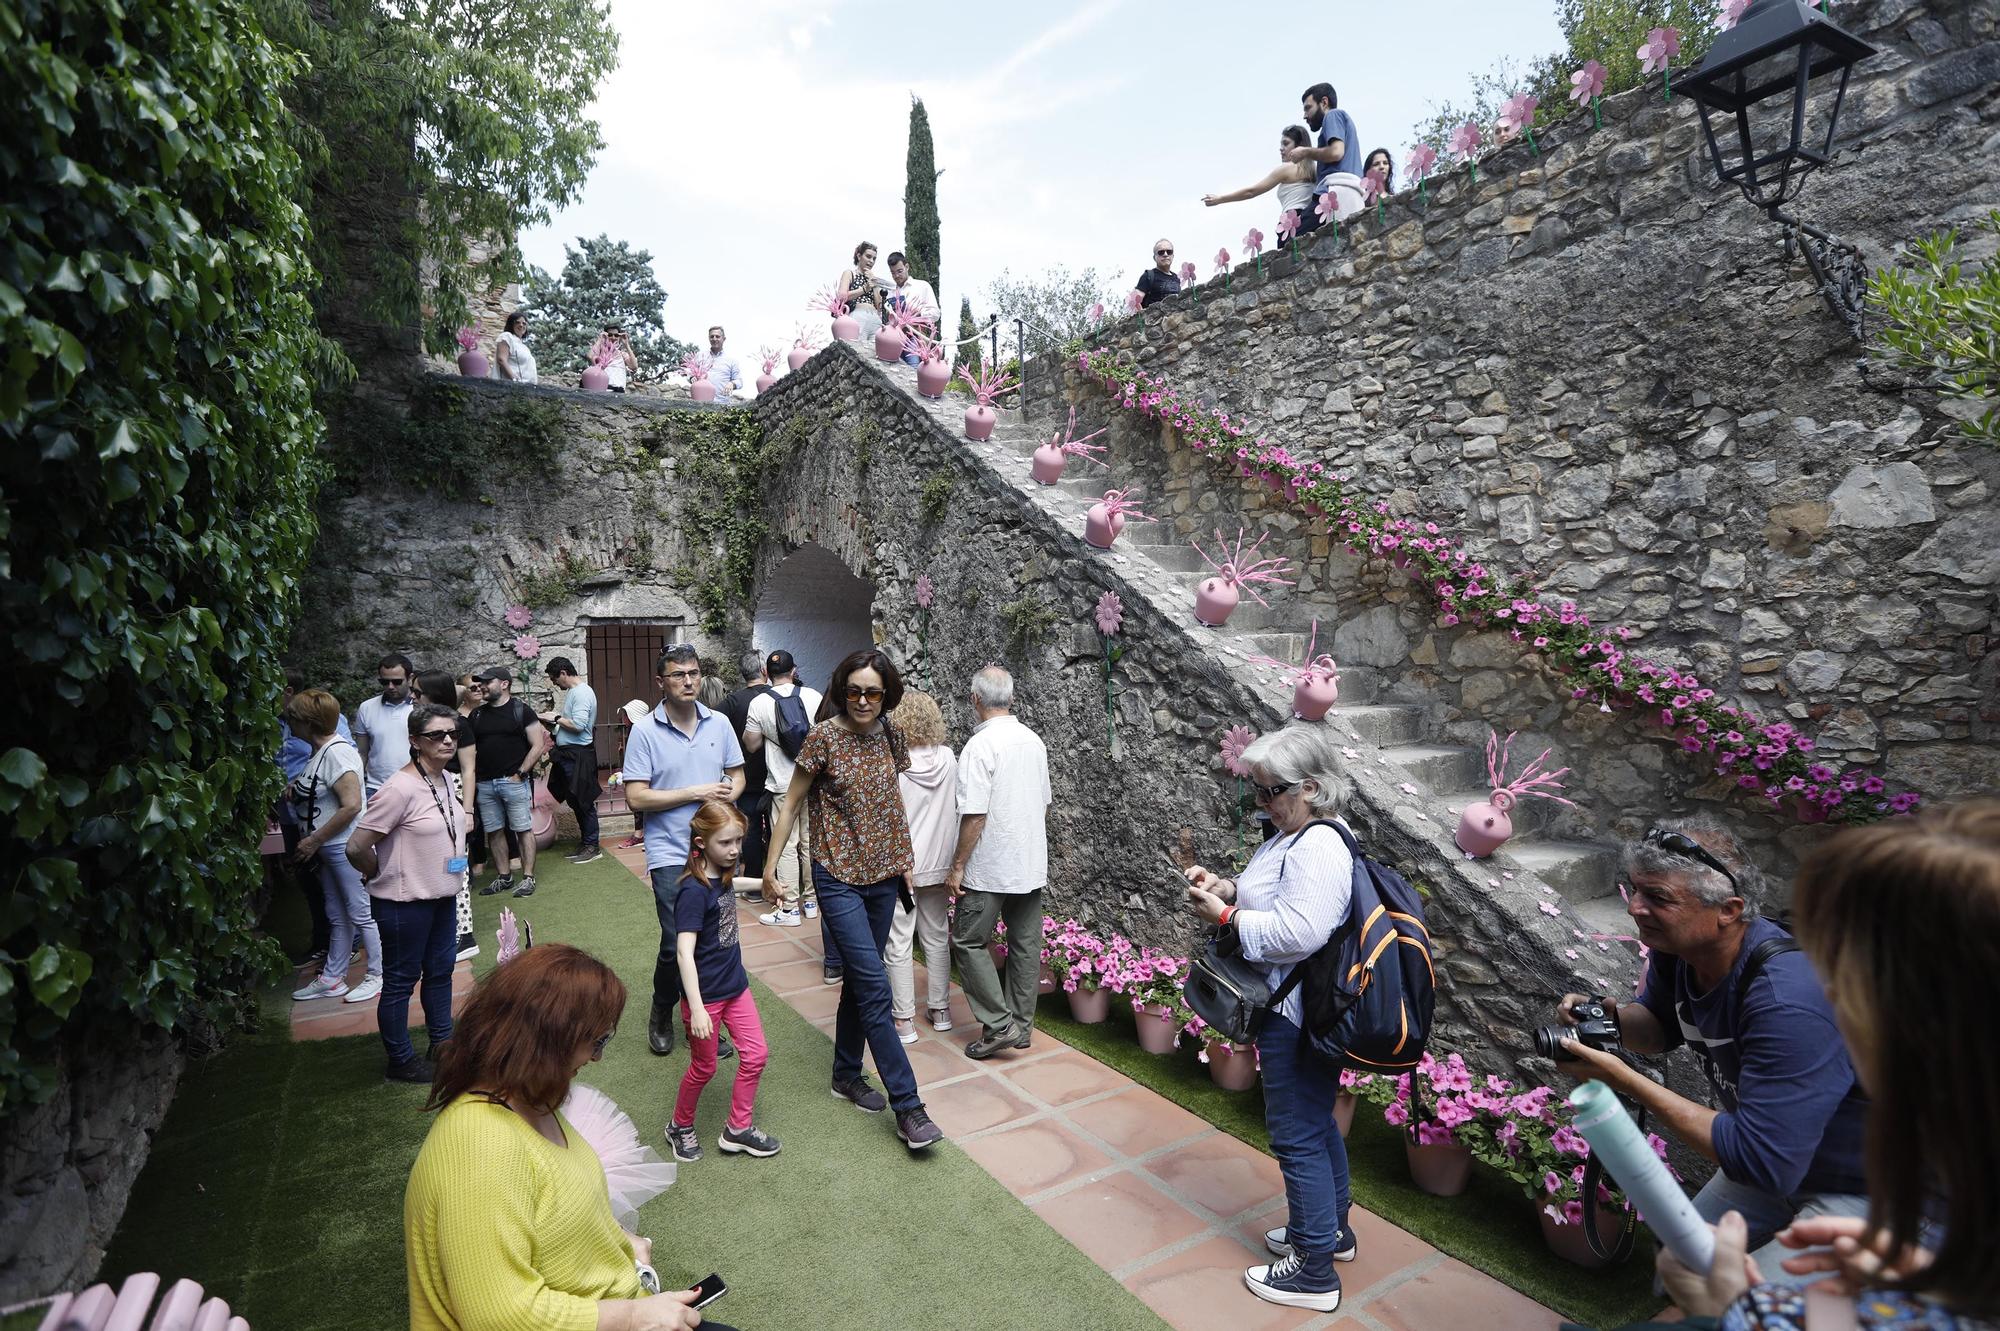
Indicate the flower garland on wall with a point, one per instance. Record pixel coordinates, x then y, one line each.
1770 761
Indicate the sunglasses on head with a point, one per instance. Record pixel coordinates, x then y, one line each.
1675 843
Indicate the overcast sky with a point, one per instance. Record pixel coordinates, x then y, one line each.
750 148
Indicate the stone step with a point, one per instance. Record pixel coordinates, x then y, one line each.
1582 871
1606 915
1248 617
1286 647
1528 817
1381 724
1442 767
1152 534
1178 558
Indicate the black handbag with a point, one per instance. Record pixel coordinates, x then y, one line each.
1230 993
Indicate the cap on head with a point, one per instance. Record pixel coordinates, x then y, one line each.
491 673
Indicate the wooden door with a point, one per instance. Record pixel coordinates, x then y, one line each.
621 660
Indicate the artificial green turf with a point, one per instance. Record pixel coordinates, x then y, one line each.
1490 1226
277 1180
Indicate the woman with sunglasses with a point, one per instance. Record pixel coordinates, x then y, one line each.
1283 907
507 1219
845 775
410 849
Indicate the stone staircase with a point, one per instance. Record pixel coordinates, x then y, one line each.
1442 778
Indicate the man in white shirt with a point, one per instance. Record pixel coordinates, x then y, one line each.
1001 864
913 294
768 730
723 371
382 723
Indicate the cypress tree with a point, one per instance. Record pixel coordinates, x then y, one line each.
920 216
967 331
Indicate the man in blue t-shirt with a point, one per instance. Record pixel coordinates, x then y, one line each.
575 751
1735 988
1334 147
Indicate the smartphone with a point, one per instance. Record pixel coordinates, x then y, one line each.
709 1290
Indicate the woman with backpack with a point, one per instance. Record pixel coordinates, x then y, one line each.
1283 907
328 797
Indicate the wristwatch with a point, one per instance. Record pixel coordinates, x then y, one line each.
649 1279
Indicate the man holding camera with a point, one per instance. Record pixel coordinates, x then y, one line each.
1734 987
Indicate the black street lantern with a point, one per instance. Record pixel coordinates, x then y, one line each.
1757 80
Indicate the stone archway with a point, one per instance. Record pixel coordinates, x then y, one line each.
814 608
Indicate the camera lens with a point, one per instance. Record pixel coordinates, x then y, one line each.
1549 1040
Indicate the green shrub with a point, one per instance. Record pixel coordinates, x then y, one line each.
157 470
1944 323
935 497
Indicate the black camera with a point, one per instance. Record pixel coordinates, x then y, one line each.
1596 1026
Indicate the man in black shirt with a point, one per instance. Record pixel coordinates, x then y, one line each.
510 741
755 802
1159 282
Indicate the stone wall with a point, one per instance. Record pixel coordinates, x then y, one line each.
1606 376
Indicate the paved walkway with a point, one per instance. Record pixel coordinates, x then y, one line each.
1171 1207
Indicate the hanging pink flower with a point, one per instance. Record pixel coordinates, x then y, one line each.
1110 614
926 592
1518 112
519 616
527 646
1420 161
1587 83
1288 225
1234 741
1661 47
1253 240
1731 15
1465 139
1135 300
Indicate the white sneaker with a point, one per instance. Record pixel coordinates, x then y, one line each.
812 908
321 987
787 918
940 1018
907 1034
367 989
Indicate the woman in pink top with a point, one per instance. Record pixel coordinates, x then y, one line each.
930 799
410 849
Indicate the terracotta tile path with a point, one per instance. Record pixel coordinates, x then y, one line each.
1171 1207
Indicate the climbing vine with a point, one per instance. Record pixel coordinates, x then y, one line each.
723 458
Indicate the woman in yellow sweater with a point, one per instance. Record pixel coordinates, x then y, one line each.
507 1223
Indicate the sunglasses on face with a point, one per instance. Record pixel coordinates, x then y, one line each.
1162 254
860 695
390 683
1268 793
1674 843
439 736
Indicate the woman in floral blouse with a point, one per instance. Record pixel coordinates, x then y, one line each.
846 774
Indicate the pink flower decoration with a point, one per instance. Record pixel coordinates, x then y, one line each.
1662 45
508 936
1234 741
1518 113
1586 83
1465 139
1420 161
1372 187
1327 208
527 646
1253 240
1110 614
769 356
925 592
696 365
1135 300
1221 261
1097 312
1288 225
1731 15
468 340
519 616
1188 273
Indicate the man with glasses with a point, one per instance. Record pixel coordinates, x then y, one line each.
1734 987
382 723
1159 282
508 741
681 755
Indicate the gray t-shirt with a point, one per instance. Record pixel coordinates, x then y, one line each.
319 803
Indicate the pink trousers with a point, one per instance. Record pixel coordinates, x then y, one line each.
739 1014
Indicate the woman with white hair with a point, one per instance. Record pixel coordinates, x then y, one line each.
1284 907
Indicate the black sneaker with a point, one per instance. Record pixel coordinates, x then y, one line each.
413 1070
832 974
527 887
865 1097
1025 1038
468 947
988 1045
724 1049
587 855
914 1126
1345 1249
752 1140
1295 1283
687 1146
504 883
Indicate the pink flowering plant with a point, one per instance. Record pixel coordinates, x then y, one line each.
1152 979
1110 617
1082 961
1767 760
468 340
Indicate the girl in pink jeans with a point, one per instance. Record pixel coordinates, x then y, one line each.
715 989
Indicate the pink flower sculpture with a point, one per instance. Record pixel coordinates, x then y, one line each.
1517 113
1288 225
1135 300
1320 666
467 339
769 356
1239 566
1465 140
527 646
926 592
1659 50
1234 741
1533 780
1587 83
833 302
1328 208
1097 312
1071 446
1253 240
807 338
1187 273
606 353
508 936
1110 614
1372 187
696 365
1222 261
519 616
929 350
1420 161
1731 15
1120 504
987 382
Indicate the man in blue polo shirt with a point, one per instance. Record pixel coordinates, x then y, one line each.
681 755
1334 147
1787 1139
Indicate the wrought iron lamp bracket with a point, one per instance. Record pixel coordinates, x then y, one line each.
1838 268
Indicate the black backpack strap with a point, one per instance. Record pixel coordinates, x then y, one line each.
1753 965
1298 971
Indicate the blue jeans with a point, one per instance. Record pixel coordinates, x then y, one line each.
419 938
350 921
1766 1213
858 919
508 802
666 967
1299 1090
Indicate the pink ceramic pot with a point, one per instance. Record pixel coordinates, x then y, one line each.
1231 1068
1047 467
1090 1006
474 365
1215 601
1484 828
1101 527
542 820
1571 1244
847 328
595 380
1343 1112
797 356
1313 697
979 422
1158 1031
932 376
701 390
889 344
1442 1170
764 382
